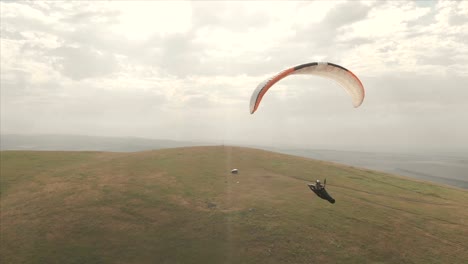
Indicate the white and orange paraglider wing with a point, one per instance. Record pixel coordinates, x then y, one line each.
344 77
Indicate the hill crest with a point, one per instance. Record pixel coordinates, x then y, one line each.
182 205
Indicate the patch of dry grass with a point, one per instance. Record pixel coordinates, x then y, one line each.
184 206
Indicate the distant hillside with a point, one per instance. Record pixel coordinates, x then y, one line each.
92 143
182 205
444 168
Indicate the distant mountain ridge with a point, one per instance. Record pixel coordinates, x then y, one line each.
87 143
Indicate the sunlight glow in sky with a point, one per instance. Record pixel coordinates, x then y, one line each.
185 70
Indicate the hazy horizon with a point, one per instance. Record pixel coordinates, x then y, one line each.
462 152
440 167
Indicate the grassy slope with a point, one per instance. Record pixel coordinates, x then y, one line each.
183 206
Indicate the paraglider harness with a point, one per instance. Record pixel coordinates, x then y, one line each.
319 190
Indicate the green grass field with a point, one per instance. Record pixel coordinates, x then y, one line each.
183 205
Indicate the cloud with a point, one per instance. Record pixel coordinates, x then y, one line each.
179 55
227 14
80 63
179 70
90 16
345 14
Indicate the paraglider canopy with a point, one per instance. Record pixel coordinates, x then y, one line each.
344 77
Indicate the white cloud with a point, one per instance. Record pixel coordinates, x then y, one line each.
141 19
185 70
399 43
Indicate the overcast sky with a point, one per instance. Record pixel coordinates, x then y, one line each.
186 71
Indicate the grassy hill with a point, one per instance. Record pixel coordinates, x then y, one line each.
182 205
